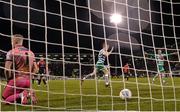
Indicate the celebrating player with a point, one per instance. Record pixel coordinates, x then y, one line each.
100 64
42 71
19 66
160 64
126 71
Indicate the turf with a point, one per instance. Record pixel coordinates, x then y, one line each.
93 95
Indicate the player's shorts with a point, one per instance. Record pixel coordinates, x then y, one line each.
161 68
42 71
20 84
127 74
100 67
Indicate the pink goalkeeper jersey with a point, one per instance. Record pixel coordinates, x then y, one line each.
22 59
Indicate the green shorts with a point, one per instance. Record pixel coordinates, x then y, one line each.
100 67
161 68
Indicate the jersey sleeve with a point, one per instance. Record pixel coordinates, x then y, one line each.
102 52
166 54
169 54
9 56
151 55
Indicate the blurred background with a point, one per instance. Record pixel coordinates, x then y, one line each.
77 29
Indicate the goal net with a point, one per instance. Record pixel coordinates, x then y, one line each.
69 35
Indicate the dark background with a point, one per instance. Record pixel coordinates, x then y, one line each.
64 31
20 15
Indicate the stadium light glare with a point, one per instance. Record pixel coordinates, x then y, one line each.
116 18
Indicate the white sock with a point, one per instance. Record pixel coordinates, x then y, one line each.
106 79
164 81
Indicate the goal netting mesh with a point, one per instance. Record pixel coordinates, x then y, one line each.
69 35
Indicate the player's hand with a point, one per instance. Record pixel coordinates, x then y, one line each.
112 49
174 53
145 53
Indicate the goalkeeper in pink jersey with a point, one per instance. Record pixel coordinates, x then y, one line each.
19 66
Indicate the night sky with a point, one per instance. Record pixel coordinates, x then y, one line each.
63 27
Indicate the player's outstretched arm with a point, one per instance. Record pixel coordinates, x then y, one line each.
149 54
108 53
174 53
111 50
161 48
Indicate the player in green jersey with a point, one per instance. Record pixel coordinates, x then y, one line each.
100 67
160 65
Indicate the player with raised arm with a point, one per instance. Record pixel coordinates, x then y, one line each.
42 71
103 54
19 66
160 65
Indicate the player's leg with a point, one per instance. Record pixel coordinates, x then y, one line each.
106 75
41 73
25 94
127 77
90 75
8 90
12 94
33 79
33 97
22 97
163 77
23 84
44 80
158 74
13 98
154 78
39 80
162 74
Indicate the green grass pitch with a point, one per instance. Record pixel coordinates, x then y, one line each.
67 95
